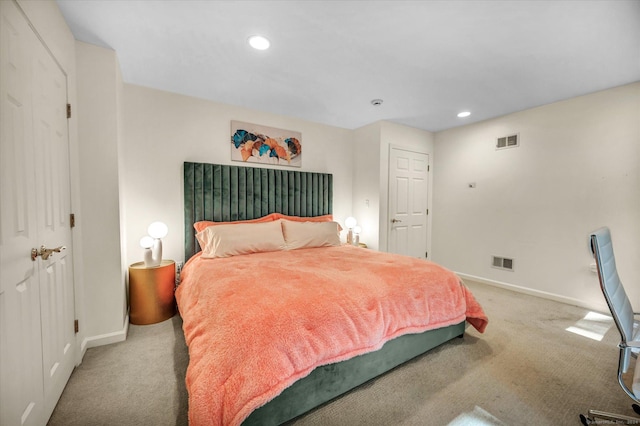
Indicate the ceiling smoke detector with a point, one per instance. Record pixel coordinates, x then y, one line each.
376 102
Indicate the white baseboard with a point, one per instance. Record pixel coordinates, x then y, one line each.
543 294
106 339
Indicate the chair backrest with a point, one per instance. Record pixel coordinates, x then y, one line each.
612 288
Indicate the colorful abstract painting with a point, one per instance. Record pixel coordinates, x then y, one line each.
253 143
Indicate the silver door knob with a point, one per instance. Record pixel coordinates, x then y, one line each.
394 220
45 252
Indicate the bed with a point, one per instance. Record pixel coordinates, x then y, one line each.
278 325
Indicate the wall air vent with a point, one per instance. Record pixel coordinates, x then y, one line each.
510 141
502 263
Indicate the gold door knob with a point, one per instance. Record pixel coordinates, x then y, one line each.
45 252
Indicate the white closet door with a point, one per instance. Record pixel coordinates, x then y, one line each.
36 297
51 156
21 379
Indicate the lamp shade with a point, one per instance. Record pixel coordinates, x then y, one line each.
357 230
158 230
350 222
146 242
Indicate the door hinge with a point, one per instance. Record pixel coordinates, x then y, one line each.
428 168
427 212
68 110
72 220
76 326
426 254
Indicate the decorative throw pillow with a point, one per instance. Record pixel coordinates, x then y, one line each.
243 238
323 218
200 226
310 234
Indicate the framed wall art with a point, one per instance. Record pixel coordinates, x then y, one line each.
254 143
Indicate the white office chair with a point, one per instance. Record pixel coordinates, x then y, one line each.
623 315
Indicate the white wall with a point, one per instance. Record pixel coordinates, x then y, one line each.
98 111
372 144
366 183
162 130
577 168
397 135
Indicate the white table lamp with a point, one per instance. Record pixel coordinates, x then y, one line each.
350 223
157 231
356 235
146 243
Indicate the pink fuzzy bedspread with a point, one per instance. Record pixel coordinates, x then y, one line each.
256 323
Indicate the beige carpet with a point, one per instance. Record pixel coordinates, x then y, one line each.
525 369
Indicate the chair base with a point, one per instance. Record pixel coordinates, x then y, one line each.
611 417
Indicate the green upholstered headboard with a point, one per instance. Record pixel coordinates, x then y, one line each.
225 193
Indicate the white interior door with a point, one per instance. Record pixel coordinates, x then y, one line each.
53 203
21 379
408 195
36 297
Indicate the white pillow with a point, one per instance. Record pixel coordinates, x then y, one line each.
241 238
310 234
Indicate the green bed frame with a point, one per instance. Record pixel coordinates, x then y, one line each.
229 193
330 381
225 193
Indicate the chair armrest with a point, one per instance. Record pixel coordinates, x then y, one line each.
633 344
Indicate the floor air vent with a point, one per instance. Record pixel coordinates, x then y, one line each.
510 141
502 263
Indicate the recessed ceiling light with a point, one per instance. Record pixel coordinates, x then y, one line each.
259 42
464 114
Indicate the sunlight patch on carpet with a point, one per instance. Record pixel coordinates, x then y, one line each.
477 417
593 326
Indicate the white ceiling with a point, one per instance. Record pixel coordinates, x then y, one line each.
428 60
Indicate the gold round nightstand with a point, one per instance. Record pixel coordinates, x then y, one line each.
151 292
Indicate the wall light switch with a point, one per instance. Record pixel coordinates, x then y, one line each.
366 203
